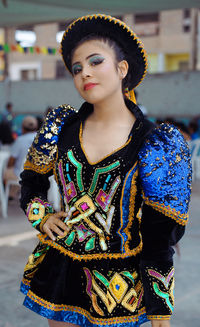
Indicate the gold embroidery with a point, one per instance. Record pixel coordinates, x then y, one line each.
41 169
133 193
182 219
130 300
158 317
78 257
122 197
44 221
118 287
101 321
106 298
26 281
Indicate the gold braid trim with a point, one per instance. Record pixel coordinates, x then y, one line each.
42 169
133 193
181 219
158 317
26 281
131 210
63 307
86 257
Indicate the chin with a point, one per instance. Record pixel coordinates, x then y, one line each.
93 99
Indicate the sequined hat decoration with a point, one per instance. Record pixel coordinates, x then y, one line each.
104 25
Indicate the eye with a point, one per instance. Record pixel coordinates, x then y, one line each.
76 69
96 60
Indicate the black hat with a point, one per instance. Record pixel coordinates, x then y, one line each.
114 29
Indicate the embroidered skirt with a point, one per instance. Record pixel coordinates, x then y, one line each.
87 293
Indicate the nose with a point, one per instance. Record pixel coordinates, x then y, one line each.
86 72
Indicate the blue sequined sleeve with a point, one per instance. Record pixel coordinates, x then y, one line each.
39 166
165 178
165 172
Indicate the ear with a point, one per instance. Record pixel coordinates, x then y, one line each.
123 68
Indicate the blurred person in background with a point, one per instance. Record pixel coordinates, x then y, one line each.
19 151
7 114
170 120
141 106
48 110
193 130
6 136
98 261
159 121
40 121
184 130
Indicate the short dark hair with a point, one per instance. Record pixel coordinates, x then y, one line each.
9 104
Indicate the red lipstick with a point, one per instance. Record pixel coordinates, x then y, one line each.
89 86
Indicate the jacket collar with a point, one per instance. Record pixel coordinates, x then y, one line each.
86 109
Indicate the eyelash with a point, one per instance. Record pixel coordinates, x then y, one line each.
76 70
96 61
93 62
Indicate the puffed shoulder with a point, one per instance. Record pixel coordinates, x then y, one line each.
165 172
43 149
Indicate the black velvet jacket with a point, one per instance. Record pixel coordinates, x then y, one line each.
127 209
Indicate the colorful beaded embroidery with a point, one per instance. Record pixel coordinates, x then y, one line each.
42 153
167 281
37 210
50 309
119 288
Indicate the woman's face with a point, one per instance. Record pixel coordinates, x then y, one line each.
96 76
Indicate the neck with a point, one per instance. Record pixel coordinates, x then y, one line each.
111 110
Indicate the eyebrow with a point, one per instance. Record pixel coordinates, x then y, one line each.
93 54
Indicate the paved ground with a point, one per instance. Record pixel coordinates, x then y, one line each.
17 240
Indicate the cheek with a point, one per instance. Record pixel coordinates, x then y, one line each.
107 70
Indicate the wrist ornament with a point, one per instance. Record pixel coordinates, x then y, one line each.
38 211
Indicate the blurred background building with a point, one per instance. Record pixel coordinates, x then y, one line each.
34 80
171 39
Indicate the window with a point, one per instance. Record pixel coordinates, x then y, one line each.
28 74
183 66
147 24
186 28
25 71
25 36
186 20
186 13
147 18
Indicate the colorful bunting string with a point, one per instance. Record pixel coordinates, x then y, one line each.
38 50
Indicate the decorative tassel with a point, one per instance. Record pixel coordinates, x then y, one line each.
130 94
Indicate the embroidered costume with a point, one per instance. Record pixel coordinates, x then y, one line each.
114 266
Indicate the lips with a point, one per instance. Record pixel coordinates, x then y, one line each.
89 86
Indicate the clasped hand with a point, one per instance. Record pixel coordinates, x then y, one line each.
55 225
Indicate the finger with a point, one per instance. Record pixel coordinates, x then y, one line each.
57 230
61 214
49 232
62 225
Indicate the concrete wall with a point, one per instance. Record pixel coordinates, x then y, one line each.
35 96
175 94
171 94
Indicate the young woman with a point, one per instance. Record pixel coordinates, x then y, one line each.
106 258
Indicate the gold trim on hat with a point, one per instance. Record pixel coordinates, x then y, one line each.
115 21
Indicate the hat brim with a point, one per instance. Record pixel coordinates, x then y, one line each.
115 29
